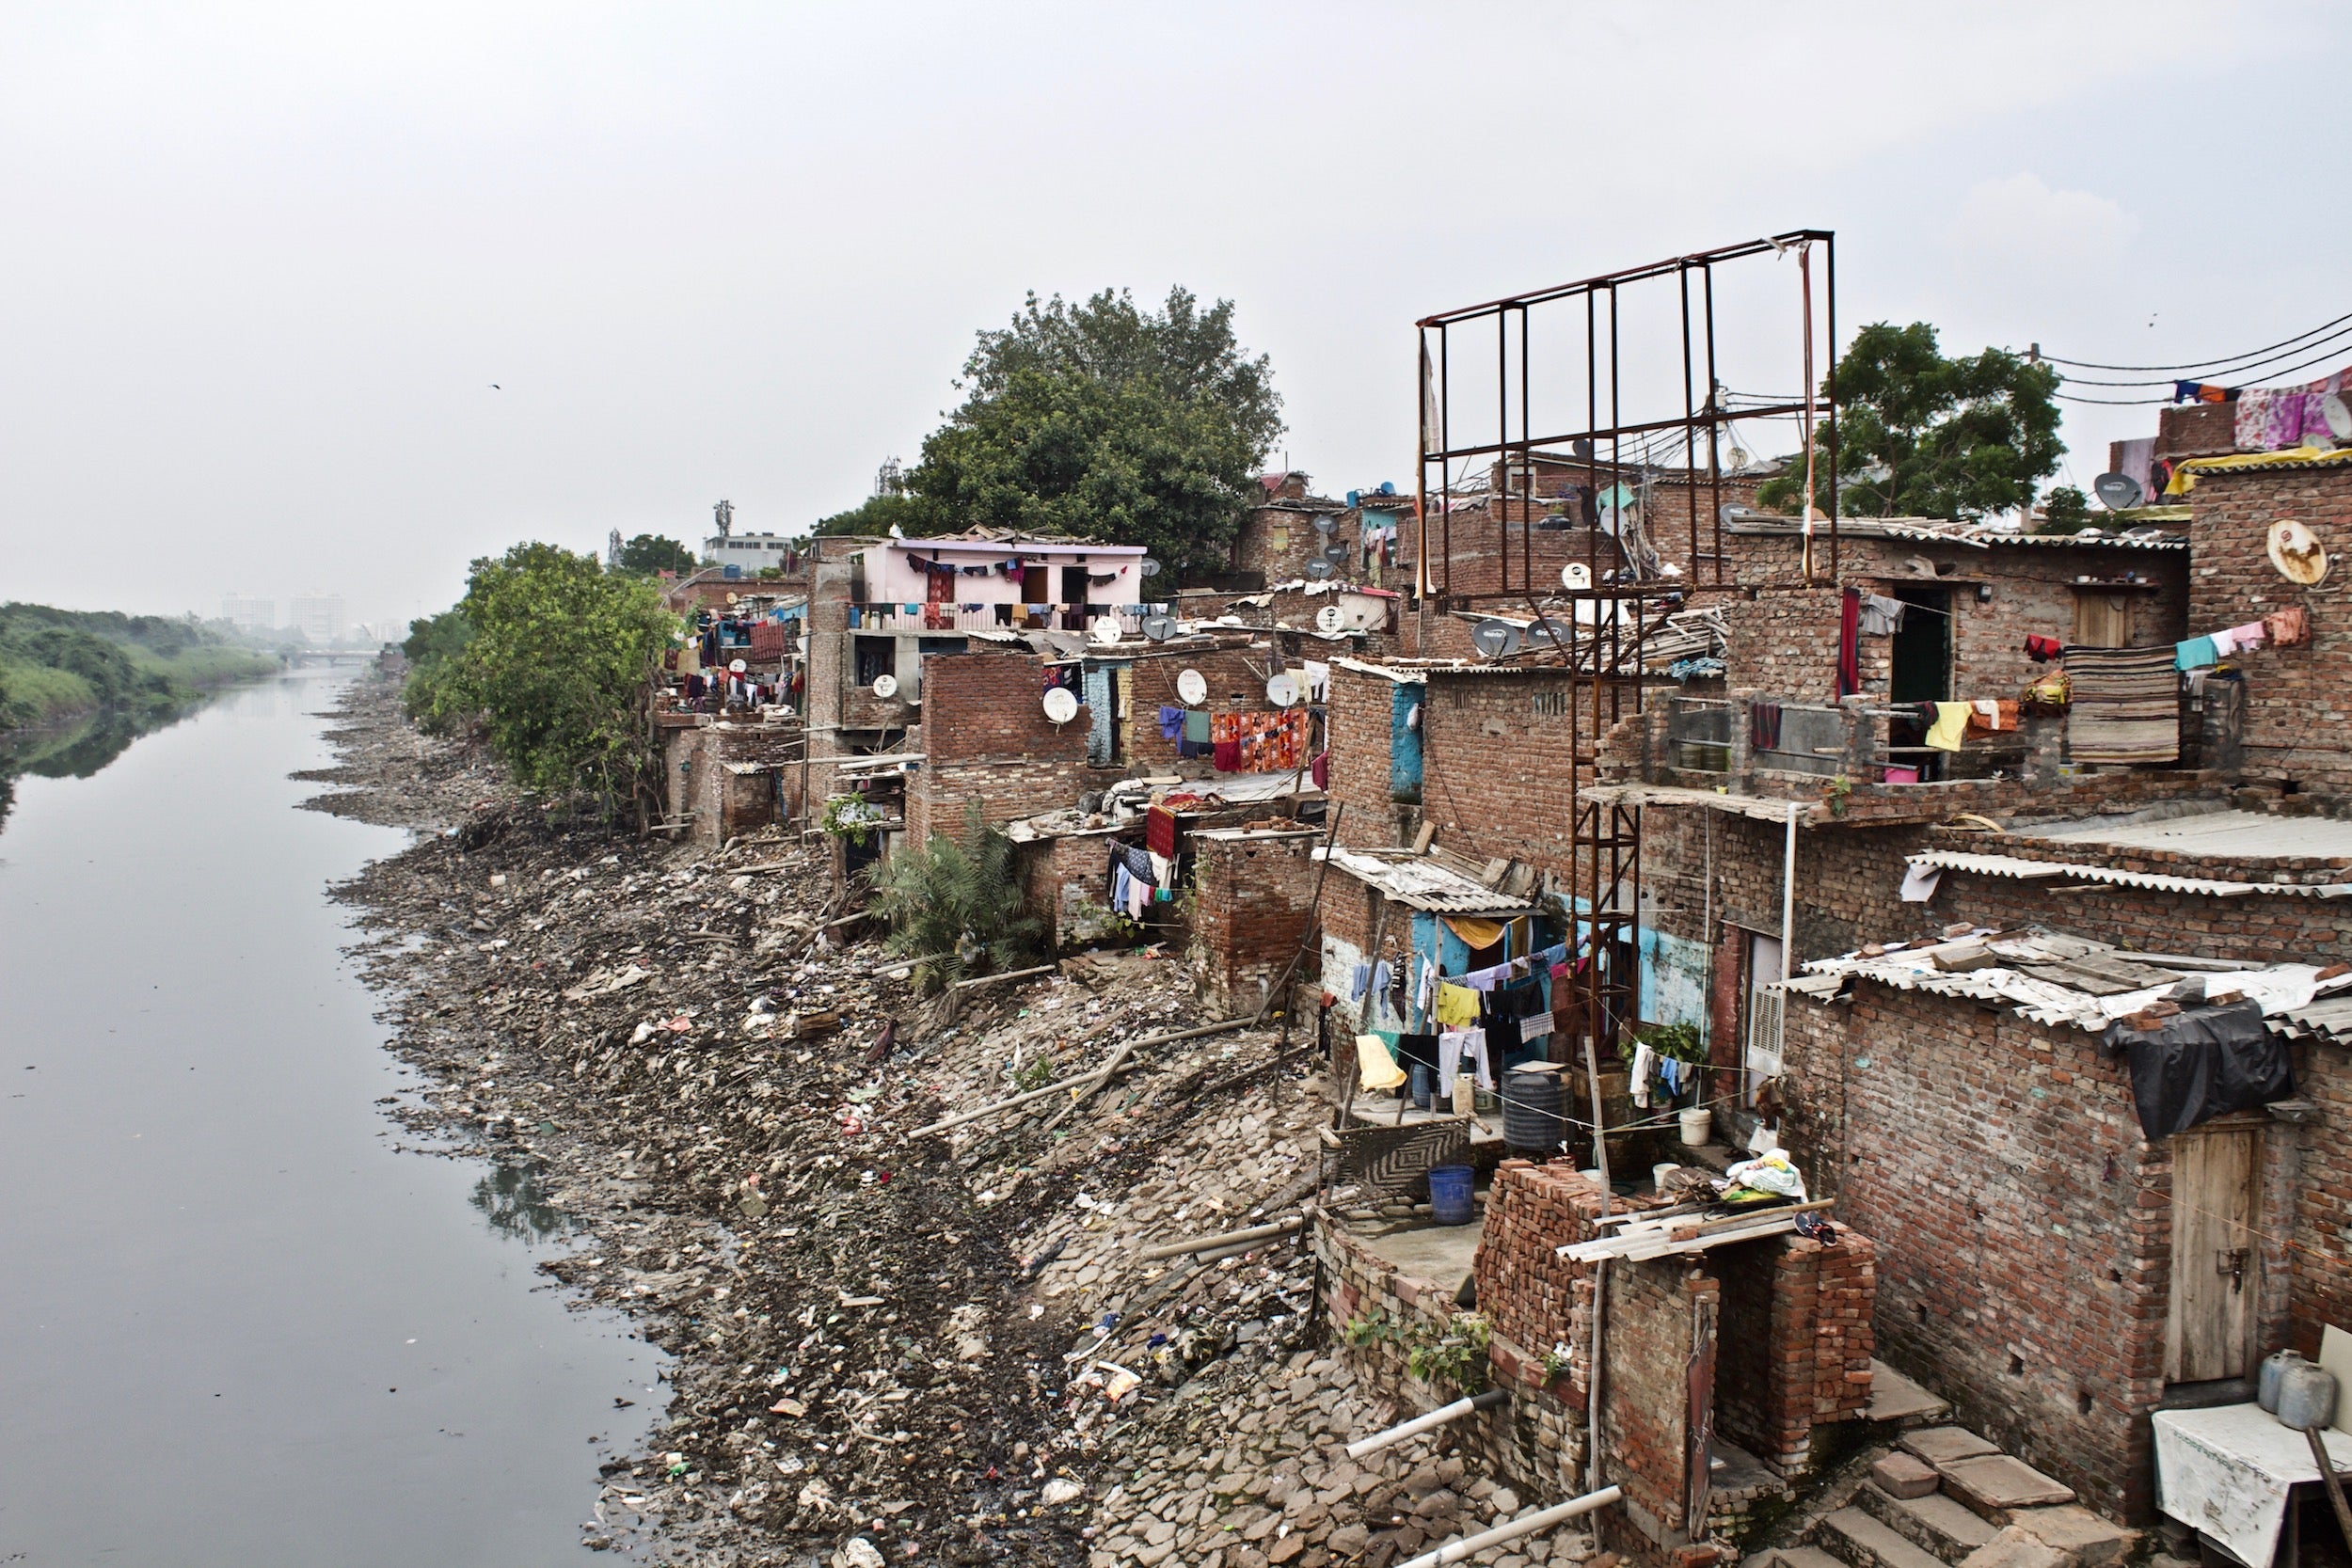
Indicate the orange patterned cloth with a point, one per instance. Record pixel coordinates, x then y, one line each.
1263 742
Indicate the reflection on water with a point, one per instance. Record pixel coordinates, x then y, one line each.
511 1198
73 751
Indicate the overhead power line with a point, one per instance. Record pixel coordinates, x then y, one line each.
2221 364
2281 375
2332 344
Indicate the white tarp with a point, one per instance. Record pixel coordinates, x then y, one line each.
2226 1471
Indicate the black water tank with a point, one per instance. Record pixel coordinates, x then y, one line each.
1531 1108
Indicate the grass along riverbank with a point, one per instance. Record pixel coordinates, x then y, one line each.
55 664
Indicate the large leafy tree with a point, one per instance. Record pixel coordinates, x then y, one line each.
649 553
1101 420
1921 435
551 655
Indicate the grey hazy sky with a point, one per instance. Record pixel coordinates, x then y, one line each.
263 262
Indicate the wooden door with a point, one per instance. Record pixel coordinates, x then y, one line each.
2216 1261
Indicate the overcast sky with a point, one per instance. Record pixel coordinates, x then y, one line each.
263 265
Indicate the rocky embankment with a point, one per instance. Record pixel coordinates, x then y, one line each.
887 1347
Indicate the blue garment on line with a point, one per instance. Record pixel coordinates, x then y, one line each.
1171 721
1358 981
2197 653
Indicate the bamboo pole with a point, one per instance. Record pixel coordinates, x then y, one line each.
1207 1244
1076 1079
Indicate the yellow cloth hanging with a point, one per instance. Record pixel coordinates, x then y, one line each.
1951 721
1380 1070
1456 1005
1475 933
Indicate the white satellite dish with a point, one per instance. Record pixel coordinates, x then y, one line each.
1282 690
1104 630
885 687
1157 627
1325 522
1060 706
1495 637
1576 575
1330 619
1318 568
1148 567
1191 687
738 666
2116 492
2339 416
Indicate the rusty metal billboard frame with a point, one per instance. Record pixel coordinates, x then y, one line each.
1701 422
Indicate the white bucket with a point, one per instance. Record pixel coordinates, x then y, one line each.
1658 1174
1591 1176
1698 1126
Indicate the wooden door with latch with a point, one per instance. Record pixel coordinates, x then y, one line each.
2216 1261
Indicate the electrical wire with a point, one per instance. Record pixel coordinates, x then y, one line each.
2226 360
2291 369
2332 341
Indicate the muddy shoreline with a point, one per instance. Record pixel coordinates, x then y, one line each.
884 1348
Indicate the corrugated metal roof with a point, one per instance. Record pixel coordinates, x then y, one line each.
2030 973
2239 834
1421 884
1976 535
2037 870
2328 1019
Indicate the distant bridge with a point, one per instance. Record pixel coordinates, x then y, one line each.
332 656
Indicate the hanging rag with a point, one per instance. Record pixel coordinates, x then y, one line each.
1159 831
1456 1005
1356 981
1919 883
1993 716
2249 636
1378 1068
1486 979
1880 615
1381 976
1475 933
2043 649
2195 653
1451 1046
1225 756
1163 870
1320 770
1171 721
2290 627
1644 1059
1951 723
1418 1048
1849 644
1764 726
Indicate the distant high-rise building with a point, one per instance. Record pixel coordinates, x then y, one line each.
318 616
248 614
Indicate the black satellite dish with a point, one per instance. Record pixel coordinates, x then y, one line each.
1544 632
1149 567
1335 553
1495 639
1157 627
2117 492
1318 568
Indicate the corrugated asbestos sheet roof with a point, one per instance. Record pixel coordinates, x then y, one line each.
2033 870
1422 884
1935 532
2057 979
2329 1019
2240 834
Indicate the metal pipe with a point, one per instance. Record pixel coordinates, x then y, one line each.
1208 1243
1470 1546
1789 892
1444 1415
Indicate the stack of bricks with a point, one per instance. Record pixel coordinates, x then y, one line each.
1797 1342
1534 1298
2298 700
1253 901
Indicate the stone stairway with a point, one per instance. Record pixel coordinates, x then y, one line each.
1944 1497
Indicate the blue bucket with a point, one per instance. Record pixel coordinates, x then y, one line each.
1449 1194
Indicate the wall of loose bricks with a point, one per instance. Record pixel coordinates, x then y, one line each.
2296 723
1362 719
1252 906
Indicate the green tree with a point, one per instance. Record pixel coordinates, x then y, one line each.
2065 509
960 906
1100 420
649 553
552 656
1921 435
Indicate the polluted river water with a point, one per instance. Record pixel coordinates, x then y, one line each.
239 1324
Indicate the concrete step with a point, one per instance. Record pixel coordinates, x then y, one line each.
1995 1487
1855 1539
1941 1445
2082 1535
1897 1399
1790 1557
1933 1523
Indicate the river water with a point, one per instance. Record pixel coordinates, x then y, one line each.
237 1325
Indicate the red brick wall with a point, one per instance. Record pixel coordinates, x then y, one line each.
2196 430
1796 1341
1252 910
2298 700
1234 684
986 738
1279 541
2021 1220
1657 1315
1479 547
1059 875
1495 775
1363 715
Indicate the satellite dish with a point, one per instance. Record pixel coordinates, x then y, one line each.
1328 618
1191 687
885 687
731 599
2339 416
1576 575
1738 456
1104 630
1148 567
2117 492
1325 522
1318 568
1282 690
738 666
1060 706
1543 632
1336 555
1495 639
1157 627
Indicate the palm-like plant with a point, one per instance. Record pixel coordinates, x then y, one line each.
959 906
